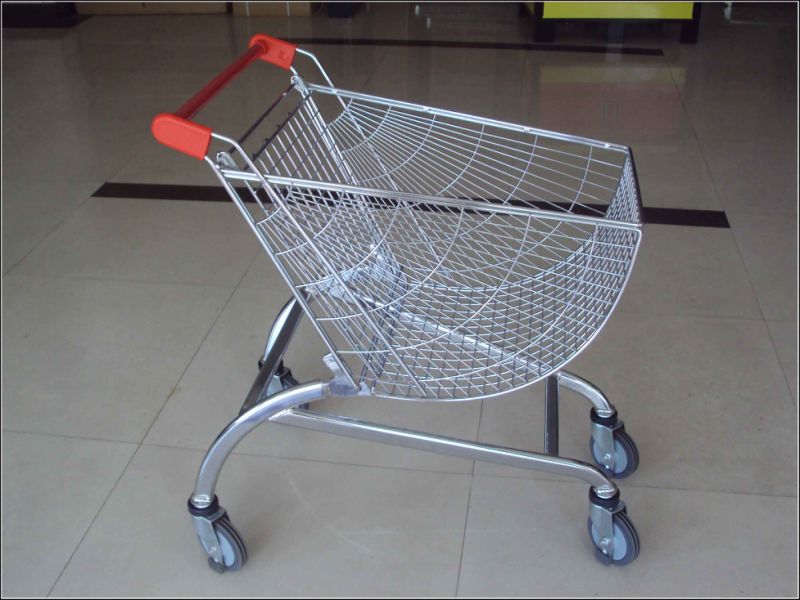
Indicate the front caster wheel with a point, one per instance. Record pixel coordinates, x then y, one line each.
625 546
626 455
234 552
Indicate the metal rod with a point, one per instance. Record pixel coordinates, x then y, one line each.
457 115
284 326
551 416
242 425
589 391
444 445
265 244
279 337
460 203
263 116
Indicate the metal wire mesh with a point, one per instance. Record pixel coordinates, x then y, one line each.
444 251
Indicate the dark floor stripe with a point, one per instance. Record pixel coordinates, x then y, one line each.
208 193
159 191
477 45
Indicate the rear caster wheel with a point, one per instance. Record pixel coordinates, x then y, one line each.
234 552
626 455
625 547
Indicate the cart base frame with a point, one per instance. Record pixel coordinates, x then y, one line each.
289 406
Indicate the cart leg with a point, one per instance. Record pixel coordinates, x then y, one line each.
219 539
283 327
551 416
611 446
277 340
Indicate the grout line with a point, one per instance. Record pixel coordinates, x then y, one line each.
140 443
97 514
775 346
68 437
378 63
124 280
464 535
521 477
469 502
321 461
199 346
78 206
736 243
685 315
627 485
48 234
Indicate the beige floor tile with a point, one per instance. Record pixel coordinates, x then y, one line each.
784 336
455 79
756 114
768 246
141 240
674 175
215 385
52 489
311 529
33 209
704 399
75 149
689 271
530 539
612 101
755 177
97 358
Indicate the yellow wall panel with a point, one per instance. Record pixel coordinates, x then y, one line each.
618 10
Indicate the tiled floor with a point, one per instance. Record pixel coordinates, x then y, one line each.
131 327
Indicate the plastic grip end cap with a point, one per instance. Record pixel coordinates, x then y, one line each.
182 135
275 51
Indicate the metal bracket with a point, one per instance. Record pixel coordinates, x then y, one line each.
226 160
603 437
300 84
603 520
204 527
340 384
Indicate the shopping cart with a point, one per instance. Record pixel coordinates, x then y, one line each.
440 257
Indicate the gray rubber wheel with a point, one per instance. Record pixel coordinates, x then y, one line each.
626 541
626 455
234 552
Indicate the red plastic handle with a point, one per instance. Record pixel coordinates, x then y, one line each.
178 132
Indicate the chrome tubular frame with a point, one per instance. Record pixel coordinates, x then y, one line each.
510 457
285 324
588 390
235 432
602 432
282 408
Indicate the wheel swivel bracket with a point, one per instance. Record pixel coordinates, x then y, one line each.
203 520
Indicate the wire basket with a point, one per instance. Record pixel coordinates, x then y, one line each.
444 256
